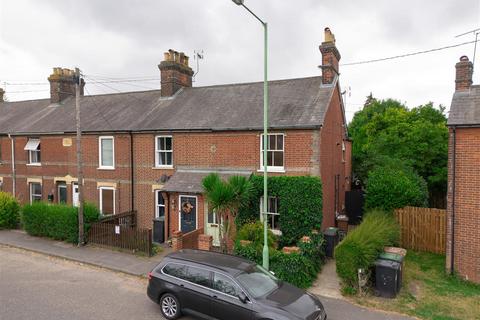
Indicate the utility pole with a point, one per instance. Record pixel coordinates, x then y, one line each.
81 236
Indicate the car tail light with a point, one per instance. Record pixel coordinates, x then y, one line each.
149 276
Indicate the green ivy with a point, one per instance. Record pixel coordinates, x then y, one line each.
9 211
299 205
56 221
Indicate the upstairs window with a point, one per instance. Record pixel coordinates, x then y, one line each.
33 148
275 152
106 152
163 151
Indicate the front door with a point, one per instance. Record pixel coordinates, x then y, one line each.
213 227
188 213
75 201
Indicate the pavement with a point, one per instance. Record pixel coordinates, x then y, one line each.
327 283
114 260
36 286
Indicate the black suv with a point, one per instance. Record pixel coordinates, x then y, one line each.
212 285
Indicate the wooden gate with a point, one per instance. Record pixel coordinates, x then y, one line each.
422 229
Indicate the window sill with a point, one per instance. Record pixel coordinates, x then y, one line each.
106 168
270 169
162 167
34 164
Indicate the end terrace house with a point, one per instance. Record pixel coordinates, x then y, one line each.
149 151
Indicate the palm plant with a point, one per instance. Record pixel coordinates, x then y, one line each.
225 198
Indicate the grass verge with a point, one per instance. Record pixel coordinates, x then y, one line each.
429 293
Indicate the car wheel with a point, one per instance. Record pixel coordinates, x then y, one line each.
170 306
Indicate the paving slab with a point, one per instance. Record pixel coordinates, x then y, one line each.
105 258
327 283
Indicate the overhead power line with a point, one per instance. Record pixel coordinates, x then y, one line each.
409 54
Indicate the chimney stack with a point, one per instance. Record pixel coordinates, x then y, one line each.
62 84
330 58
2 92
174 73
463 76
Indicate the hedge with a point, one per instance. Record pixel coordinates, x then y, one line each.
300 205
9 211
390 188
361 247
299 269
57 221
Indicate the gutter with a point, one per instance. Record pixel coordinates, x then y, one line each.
14 174
452 253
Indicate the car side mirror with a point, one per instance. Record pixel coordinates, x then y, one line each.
243 297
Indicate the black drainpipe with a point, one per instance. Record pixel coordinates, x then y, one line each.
169 216
452 255
132 178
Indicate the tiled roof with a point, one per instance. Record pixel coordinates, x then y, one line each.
465 108
294 103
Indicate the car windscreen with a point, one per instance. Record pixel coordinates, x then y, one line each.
257 281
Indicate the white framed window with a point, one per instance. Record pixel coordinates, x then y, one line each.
163 151
107 200
159 205
33 148
343 151
35 192
106 152
275 152
273 215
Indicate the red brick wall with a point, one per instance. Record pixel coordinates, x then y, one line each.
331 161
467 204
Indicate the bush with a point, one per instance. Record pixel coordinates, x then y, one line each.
9 211
254 232
361 247
299 269
390 187
300 205
57 221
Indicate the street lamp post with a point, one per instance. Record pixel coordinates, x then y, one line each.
265 133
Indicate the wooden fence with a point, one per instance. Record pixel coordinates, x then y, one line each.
422 229
121 237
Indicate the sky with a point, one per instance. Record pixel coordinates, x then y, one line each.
119 39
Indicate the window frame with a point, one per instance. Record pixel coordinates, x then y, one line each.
37 152
100 153
272 168
269 214
62 186
32 194
158 151
158 193
100 200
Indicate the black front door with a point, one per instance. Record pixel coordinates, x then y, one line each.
188 213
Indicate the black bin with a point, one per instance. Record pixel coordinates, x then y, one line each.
159 230
331 240
386 278
397 258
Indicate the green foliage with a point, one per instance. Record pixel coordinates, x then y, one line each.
254 232
299 269
418 137
9 211
395 186
299 205
225 198
361 247
57 221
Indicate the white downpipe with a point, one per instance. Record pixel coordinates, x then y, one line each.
14 184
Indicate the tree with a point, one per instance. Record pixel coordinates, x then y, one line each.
418 137
225 198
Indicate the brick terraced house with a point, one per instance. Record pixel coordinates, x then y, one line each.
149 151
463 224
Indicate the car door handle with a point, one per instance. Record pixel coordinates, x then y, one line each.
214 297
181 285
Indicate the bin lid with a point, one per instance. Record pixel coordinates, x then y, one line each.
332 231
400 251
387 264
391 256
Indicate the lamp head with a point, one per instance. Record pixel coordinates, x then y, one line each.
238 2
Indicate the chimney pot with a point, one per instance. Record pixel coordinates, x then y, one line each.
463 74
330 58
174 73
